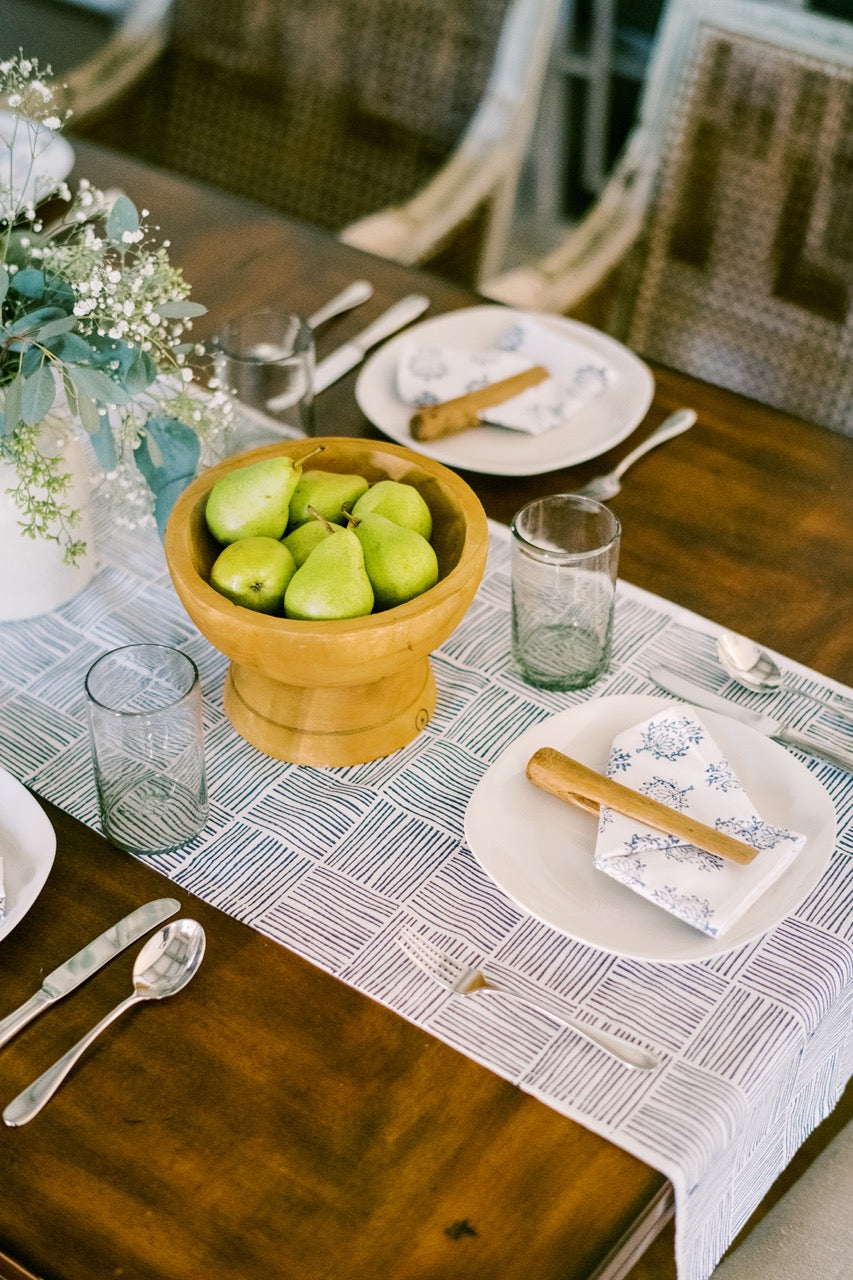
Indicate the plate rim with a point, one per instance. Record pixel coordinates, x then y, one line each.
444 452
31 825
693 950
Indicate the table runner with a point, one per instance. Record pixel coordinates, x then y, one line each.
336 863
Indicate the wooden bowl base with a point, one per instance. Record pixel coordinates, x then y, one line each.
333 724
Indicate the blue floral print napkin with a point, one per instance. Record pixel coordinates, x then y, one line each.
673 758
431 374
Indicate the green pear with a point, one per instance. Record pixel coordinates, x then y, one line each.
332 583
397 501
254 501
327 492
400 563
302 540
254 572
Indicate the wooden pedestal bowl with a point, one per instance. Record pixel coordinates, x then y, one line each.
334 693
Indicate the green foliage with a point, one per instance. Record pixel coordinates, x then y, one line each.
94 322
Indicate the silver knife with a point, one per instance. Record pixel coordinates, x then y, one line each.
76 970
777 729
353 352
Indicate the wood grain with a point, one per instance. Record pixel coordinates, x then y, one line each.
271 1121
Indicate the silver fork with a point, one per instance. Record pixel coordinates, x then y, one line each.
607 486
465 980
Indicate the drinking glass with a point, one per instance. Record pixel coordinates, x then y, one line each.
565 553
267 359
145 729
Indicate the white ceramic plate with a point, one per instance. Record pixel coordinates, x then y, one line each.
594 429
539 850
27 846
53 158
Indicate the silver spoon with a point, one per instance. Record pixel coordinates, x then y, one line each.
352 296
607 486
165 964
754 669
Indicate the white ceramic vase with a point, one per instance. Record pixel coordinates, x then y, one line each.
34 578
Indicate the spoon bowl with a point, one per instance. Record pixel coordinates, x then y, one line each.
169 959
755 669
745 662
166 963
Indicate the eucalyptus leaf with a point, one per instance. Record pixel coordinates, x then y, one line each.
70 348
30 323
51 291
169 451
140 373
165 499
104 443
12 403
88 413
180 309
4 282
70 393
31 360
123 219
94 383
28 283
62 324
38 395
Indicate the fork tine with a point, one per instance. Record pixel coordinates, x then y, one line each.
438 964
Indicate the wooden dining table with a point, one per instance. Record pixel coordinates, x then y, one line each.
272 1121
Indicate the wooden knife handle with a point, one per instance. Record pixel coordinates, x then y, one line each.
576 784
452 416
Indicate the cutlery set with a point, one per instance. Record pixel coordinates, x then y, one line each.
165 964
680 687
352 353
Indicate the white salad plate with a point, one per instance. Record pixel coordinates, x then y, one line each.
596 427
27 848
37 154
540 850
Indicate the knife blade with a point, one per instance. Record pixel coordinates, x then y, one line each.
353 352
87 961
673 683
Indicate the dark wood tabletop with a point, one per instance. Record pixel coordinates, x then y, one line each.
271 1121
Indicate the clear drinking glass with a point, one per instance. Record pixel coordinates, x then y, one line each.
145 728
267 359
565 554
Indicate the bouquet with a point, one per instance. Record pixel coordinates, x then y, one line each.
94 328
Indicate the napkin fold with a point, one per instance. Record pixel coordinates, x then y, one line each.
673 757
432 374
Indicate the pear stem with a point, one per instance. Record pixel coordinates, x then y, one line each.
323 521
300 462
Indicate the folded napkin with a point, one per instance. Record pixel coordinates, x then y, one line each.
673 758
432 374
2 892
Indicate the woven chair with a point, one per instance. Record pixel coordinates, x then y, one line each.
723 244
399 124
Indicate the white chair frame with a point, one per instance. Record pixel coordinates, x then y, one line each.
139 38
488 159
